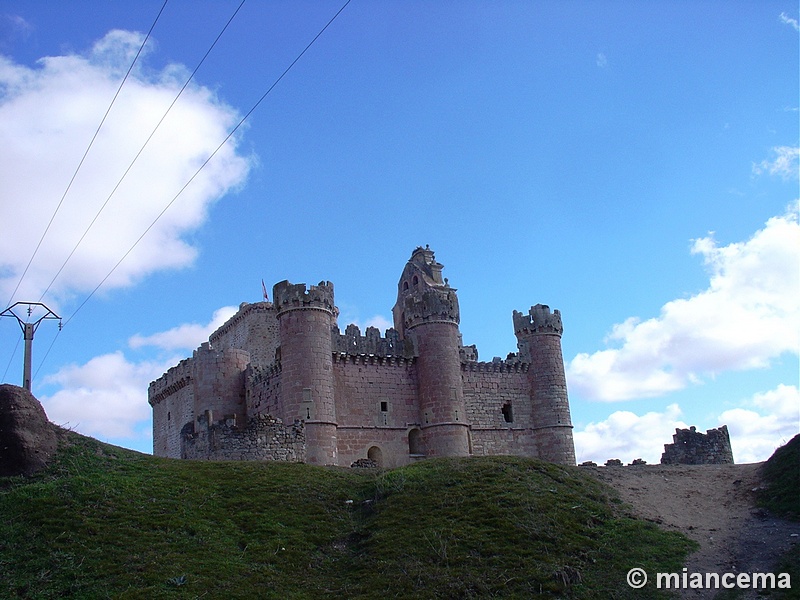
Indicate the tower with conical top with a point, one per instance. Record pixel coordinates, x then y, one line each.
426 315
539 341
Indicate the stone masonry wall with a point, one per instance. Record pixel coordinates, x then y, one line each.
218 378
494 392
263 390
172 399
253 328
264 438
364 386
691 447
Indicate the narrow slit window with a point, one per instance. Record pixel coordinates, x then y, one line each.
508 414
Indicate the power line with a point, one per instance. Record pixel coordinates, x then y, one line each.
202 166
89 147
11 359
139 153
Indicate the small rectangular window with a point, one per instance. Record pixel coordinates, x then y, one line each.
384 406
508 415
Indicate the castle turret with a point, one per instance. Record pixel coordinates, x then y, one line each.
305 318
427 314
539 341
218 377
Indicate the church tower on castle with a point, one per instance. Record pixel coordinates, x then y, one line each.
279 381
426 313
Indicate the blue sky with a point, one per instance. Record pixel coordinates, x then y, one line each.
632 164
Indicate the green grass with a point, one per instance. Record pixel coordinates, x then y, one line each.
103 522
781 474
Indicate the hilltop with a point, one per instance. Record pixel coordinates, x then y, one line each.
101 521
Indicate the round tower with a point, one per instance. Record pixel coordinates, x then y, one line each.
219 392
305 319
426 314
539 341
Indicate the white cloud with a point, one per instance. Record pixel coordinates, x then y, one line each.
763 423
748 315
187 336
107 396
380 322
784 18
12 26
601 60
627 436
48 115
767 421
785 163
104 398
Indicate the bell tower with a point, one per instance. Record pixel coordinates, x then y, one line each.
427 315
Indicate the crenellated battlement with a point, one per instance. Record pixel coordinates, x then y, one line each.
351 395
351 342
294 296
175 378
430 305
539 320
510 365
372 359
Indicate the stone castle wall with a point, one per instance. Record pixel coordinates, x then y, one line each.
690 447
376 406
172 398
253 328
263 438
497 397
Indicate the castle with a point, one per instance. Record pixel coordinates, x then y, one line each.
279 381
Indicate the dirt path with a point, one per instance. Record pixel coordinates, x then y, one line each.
713 505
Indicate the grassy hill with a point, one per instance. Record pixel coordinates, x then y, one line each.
781 475
103 522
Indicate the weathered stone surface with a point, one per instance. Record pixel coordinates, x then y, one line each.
414 391
690 447
27 439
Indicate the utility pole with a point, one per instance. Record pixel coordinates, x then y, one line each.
28 329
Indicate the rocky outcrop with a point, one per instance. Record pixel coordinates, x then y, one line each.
27 439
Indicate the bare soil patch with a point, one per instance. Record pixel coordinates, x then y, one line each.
713 505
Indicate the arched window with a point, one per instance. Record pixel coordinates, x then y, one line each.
415 280
405 285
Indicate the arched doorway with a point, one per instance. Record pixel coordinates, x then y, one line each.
376 455
415 445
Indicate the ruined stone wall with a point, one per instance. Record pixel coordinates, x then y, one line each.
172 399
497 396
690 447
376 403
263 438
253 328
